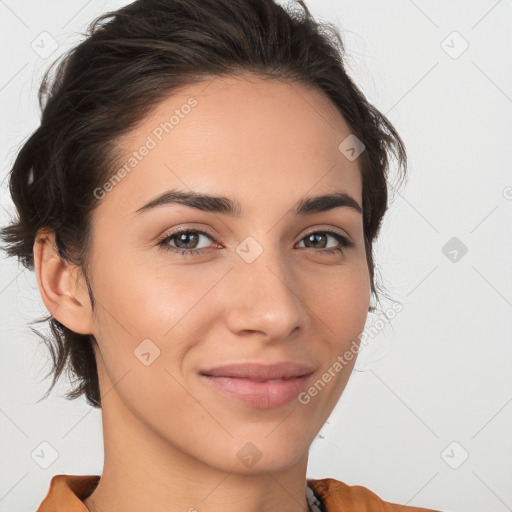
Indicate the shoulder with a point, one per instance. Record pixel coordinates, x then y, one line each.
340 497
67 492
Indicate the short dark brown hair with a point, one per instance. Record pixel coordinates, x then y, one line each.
132 59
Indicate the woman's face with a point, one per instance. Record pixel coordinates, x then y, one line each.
253 282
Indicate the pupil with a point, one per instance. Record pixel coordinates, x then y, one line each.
313 237
184 236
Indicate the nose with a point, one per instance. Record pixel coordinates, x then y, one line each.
266 297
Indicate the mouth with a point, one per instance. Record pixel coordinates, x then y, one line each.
258 385
259 371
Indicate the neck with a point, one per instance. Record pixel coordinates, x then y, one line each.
143 471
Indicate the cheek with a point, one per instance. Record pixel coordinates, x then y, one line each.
143 330
340 301
340 306
150 297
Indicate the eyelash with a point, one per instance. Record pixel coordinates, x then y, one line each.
162 242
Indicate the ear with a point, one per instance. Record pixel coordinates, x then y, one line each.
62 285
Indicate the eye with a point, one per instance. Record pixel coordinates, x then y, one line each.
316 238
187 241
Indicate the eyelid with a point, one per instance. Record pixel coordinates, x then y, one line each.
185 229
163 242
328 229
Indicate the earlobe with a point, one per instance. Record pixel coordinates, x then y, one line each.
61 284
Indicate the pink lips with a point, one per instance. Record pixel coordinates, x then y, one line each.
260 385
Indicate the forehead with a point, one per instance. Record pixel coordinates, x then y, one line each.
242 136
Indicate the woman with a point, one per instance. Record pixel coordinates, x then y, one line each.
199 205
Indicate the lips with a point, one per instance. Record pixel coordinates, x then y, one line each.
260 371
259 385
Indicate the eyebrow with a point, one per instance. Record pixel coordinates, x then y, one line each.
224 205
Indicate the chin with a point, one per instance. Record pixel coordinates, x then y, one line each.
262 454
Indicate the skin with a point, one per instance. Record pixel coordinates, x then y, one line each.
171 442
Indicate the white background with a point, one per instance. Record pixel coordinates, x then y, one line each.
441 372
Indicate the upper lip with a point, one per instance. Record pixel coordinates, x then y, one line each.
260 371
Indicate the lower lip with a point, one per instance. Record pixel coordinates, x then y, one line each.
263 395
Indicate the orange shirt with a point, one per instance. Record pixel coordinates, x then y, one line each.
67 491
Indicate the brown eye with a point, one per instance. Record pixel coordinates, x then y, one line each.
316 239
320 240
186 242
